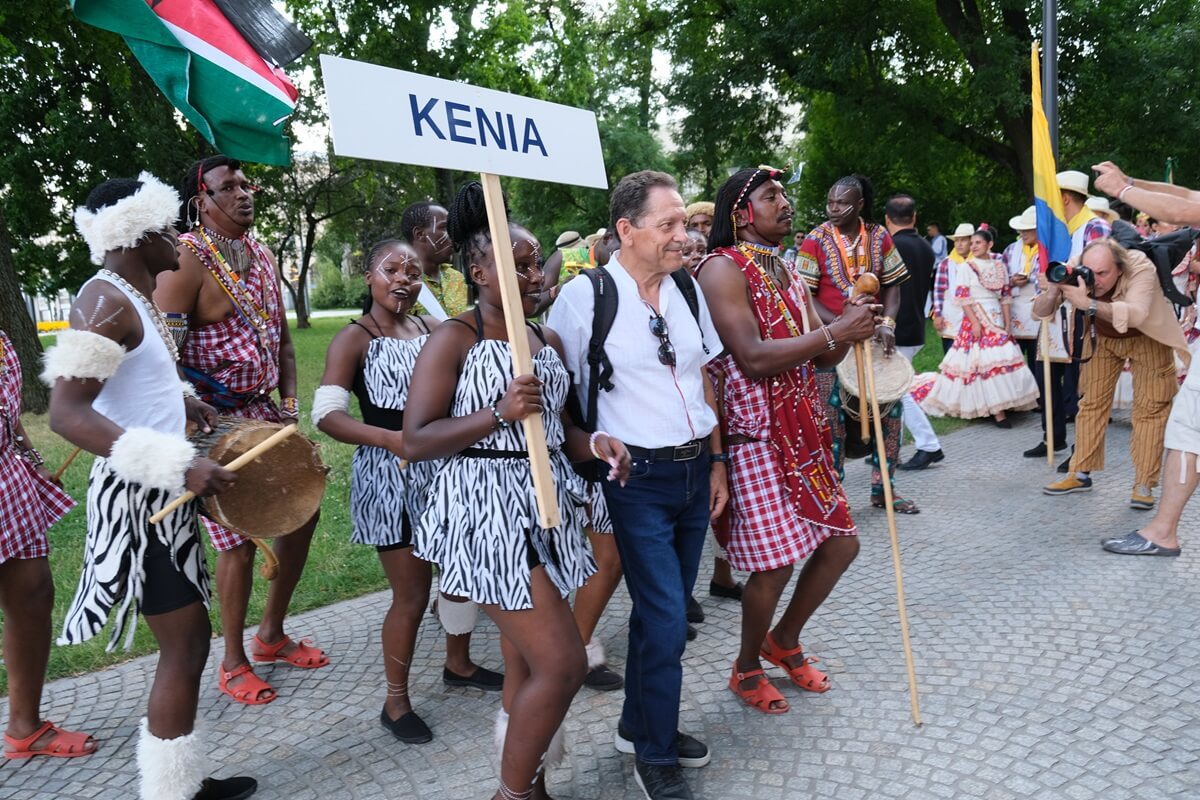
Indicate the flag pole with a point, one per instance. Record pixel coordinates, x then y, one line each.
1050 71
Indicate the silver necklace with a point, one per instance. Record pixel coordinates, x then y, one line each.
151 309
233 250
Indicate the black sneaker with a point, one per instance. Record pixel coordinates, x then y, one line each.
694 612
481 678
603 679
693 753
227 789
1040 450
661 782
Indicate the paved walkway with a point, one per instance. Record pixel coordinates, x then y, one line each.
1048 669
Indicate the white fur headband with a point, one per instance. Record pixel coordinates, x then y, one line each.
126 222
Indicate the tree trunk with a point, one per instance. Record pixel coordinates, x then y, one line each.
301 297
20 327
444 179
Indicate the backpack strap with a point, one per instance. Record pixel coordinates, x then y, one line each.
687 287
604 313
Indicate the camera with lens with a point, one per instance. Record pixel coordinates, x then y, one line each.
1058 272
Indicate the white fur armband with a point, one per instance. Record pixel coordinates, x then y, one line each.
326 400
187 389
81 354
152 459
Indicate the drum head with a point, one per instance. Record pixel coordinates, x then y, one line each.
276 493
893 376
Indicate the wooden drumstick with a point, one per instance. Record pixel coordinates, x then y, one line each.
888 499
270 567
866 284
233 466
66 464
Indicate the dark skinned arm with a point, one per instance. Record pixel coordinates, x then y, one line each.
343 359
735 321
287 350
891 307
551 272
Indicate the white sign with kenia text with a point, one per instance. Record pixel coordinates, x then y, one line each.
391 115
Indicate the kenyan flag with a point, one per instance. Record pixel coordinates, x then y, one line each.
221 70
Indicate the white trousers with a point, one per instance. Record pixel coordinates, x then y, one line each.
915 421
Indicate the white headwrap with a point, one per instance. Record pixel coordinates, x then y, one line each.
153 207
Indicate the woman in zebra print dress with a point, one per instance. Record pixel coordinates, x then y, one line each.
480 525
373 357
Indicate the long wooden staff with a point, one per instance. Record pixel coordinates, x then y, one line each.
66 464
1046 392
866 284
881 450
233 466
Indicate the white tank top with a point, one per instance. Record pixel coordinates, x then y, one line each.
145 391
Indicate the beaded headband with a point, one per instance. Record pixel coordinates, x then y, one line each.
772 173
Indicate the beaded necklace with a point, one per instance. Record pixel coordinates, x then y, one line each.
235 288
852 265
155 315
749 250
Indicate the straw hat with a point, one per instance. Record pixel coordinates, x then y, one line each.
1101 207
965 230
568 239
1073 181
1026 222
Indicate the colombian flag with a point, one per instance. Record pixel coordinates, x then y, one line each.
223 71
1053 237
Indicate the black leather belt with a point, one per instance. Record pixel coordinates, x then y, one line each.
684 452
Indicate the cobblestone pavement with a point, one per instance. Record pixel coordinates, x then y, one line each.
1047 669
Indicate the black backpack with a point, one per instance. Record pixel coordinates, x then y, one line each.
1165 252
600 369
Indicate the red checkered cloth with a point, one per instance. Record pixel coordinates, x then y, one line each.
765 532
263 408
29 504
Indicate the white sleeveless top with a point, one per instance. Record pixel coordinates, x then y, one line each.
145 391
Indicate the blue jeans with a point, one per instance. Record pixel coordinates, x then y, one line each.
660 519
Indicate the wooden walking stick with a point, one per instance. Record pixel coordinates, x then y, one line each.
888 498
867 283
1046 391
66 464
233 466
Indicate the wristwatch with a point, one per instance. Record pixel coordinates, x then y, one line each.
720 458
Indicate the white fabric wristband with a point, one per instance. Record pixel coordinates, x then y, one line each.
152 459
81 355
327 399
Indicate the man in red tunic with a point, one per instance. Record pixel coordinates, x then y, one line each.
225 309
786 503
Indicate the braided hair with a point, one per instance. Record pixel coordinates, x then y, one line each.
467 226
417 215
110 192
861 184
733 194
372 255
189 187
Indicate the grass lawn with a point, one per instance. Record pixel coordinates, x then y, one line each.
336 569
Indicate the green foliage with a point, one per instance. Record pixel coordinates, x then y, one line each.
335 289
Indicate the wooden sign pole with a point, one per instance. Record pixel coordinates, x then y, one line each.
514 321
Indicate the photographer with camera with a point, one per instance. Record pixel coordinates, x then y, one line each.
1125 316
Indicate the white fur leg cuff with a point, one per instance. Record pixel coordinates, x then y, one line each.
326 400
457 618
170 769
595 654
152 459
83 355
556 752
500 732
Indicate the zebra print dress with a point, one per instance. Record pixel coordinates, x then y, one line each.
382 494
480 525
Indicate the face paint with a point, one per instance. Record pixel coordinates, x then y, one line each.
443 237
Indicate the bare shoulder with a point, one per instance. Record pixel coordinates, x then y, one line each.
102 308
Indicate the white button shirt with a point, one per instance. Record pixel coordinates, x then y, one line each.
651 405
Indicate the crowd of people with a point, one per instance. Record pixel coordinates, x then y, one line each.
685 377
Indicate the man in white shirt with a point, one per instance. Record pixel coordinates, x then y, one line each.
662 405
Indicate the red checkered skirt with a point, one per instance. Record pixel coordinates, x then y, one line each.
29 505
766 532
261 407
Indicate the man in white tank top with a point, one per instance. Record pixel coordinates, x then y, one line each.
117 394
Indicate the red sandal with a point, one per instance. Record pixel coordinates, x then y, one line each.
806 676
305 656
761 696
60 744
251 690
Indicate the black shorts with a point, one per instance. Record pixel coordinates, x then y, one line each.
406 536
165 588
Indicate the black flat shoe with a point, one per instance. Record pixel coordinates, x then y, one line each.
922 459
409 729
603 679
226 789
691 633
694 612
1005 423
481 678
728 592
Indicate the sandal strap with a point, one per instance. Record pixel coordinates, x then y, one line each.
236 672
20 745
